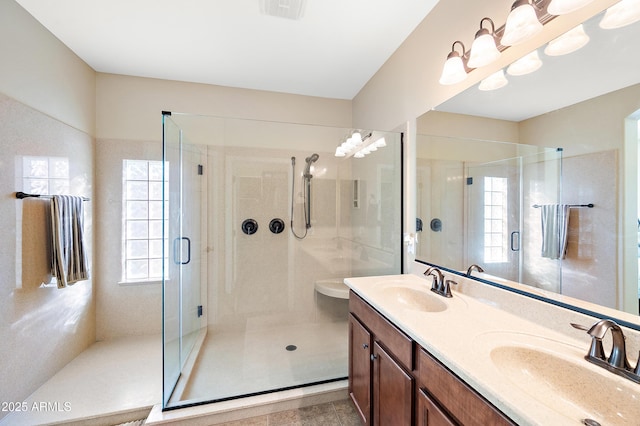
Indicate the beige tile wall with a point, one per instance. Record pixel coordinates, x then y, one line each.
41 329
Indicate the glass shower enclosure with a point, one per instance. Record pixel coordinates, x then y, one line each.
262 224
182 278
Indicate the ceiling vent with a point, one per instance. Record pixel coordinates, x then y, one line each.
289 9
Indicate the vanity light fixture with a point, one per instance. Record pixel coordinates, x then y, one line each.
522 23
494 81
562 7
357 146
621 14
525 65
484 49
454 70
568 42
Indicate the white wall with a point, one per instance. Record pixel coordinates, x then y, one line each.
39 71
130 107
47 105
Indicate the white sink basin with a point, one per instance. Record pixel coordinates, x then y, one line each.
557 375
410 298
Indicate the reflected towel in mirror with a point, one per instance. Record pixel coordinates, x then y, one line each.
555 226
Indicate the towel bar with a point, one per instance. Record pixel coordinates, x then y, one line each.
579 206
20 195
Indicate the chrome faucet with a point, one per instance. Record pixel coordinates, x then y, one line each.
439 285
438 278
618 356
617 361
472 267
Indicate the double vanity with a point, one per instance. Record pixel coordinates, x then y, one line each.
484 356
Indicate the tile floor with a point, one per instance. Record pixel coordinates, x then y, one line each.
339 413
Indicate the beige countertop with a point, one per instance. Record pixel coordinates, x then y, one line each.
534 374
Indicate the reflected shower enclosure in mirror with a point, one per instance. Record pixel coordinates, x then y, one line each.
588 104
482 193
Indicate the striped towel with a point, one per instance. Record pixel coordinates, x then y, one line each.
69 257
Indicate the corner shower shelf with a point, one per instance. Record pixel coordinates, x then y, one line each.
333 288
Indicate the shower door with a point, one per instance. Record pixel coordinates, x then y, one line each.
182 308
493 228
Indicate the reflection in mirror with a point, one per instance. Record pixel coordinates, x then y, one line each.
482 193
588 104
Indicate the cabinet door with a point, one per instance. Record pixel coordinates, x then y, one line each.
429 414
360 368
392 390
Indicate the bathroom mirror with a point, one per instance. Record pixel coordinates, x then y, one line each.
587 103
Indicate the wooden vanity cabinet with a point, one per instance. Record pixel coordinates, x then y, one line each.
392 390
443 394
429 412
394 381
380 360
360 342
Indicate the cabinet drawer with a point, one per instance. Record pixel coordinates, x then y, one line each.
399 344
461 401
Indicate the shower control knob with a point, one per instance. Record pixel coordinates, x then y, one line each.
249 226
276 226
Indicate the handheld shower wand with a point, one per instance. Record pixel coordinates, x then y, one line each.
306 176
310 160
307 182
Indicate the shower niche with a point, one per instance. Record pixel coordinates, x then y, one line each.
257 281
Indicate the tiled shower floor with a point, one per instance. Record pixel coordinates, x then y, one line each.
232 364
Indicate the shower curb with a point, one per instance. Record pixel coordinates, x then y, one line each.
243 408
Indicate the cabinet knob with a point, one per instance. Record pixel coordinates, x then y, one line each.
374 357
365 345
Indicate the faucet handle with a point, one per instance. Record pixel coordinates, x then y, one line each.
446 290
595 350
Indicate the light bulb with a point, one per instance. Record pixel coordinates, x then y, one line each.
494 81
522 24
525 65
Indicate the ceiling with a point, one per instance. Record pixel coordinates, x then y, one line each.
607 63
331 51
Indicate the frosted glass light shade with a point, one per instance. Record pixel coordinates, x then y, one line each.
568 42
525 65
562 7
483 50
522 24
453 71
494 81
621 14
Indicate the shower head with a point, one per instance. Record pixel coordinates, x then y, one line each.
311 159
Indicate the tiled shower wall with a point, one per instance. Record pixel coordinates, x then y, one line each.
267 279
41 327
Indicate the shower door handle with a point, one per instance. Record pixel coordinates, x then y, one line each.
176 250
515 241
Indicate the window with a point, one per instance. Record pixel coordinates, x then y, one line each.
45 175
142 220
495 219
